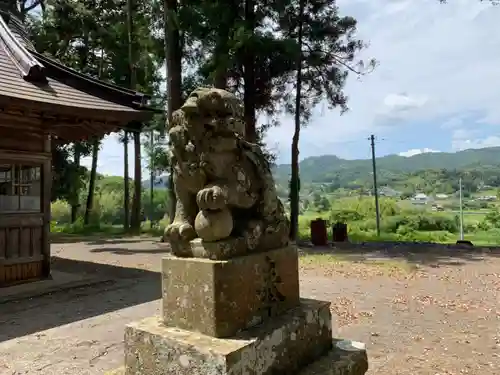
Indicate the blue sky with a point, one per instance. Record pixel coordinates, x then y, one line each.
437 86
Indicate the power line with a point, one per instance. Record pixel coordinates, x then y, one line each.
375 190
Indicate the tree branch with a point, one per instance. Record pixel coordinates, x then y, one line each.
338 59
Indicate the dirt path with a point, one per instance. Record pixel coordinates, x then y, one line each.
434 319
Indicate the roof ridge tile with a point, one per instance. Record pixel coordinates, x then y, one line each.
29 67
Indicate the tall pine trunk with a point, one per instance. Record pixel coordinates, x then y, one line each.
136 203
249 74
295 176
126 185
93 174
83 60
221 53
173 53
93 170
75 194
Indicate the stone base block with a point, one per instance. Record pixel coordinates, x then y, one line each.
280 346
346 358
222 297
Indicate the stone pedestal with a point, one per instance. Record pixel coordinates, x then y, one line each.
280 346
236 317
220 298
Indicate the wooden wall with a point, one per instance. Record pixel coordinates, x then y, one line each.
20 140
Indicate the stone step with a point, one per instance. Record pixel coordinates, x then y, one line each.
345 358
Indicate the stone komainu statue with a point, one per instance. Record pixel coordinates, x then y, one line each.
225 191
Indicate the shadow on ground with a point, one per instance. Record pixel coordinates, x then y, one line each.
98 239
61 238
127 251
126 287
433 255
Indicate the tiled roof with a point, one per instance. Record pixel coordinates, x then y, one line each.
27 77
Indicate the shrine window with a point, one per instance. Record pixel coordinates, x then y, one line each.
20 188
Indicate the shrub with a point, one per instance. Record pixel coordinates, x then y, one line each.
421 222
345 216
492 218
60 212
349 210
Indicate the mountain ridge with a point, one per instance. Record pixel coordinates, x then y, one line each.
331 168
327 168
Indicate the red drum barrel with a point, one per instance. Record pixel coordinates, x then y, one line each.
319 236
339 232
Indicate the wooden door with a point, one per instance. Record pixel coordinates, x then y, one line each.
21 247
22 222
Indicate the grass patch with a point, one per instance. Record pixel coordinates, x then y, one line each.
78 229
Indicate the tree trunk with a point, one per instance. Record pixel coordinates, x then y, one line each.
295 175
76 188
93 171
173 53
136 203
126 185
221 53
93 174
131 78
135 220
249 75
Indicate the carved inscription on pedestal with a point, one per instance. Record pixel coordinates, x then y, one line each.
270 295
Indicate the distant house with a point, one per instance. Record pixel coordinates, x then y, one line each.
442 196
437 207
487 198
484 187
386 191
420 198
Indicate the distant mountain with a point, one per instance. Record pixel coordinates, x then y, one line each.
329 168
393 170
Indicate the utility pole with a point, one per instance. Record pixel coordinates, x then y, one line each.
461 210
375 190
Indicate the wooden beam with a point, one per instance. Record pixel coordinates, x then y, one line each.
24 157
80 126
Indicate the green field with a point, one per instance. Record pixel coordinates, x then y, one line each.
402 221
399 222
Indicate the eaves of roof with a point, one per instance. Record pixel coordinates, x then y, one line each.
28 78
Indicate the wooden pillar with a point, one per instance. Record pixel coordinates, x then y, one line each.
46 195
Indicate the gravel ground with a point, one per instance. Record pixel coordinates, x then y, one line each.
418 314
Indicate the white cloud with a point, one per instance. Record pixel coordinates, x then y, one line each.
403 101
463 139
417 151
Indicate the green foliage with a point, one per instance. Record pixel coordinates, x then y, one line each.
92 38
108 206
329 51
356 209
422 222
320 203
403 223
492 219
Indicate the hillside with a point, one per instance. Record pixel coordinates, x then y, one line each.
430 172
330 168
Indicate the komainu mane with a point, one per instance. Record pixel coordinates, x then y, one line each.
226 194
